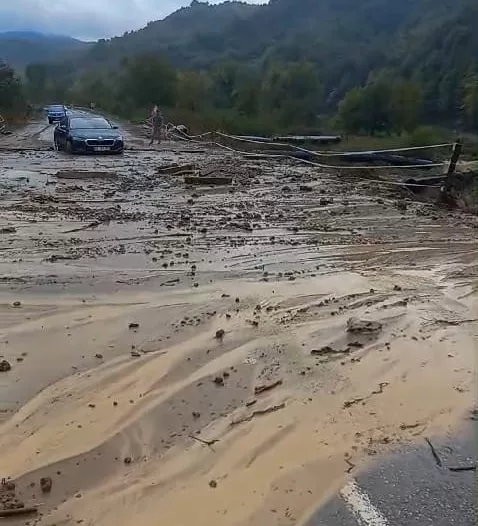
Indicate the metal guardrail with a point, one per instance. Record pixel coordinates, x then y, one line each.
3 124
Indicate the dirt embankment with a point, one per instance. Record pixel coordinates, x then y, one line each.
219 355
463 191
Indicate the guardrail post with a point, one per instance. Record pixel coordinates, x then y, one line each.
454 158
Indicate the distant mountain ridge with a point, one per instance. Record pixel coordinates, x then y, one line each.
20 48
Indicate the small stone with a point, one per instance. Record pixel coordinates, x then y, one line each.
135 354
128 460
99 356
219 380
115 403
237 300
8 485
196 414
92 406
220 334
8 230
397 288
45 484
212 484
17 304
5 366
133 325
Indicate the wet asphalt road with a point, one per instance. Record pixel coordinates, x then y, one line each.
410 489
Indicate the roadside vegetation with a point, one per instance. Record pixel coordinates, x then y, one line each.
12 98
283 98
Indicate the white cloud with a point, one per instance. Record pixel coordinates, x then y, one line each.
87 19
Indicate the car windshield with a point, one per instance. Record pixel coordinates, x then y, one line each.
56 108
84 123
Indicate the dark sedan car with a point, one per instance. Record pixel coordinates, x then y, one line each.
88 134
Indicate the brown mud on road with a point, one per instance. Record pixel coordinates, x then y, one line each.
198 355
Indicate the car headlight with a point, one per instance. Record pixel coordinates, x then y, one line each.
119 138
73 138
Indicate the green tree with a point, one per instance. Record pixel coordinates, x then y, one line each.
225 76
293 92
351 112
11 92
406 105
193 90
37 81
470 100
148 79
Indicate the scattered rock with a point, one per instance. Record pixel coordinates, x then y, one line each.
5 366
135 354
354 325
397 288
133 325
219 380
8 230
17 304
8 485
212 484
99 356
196 414
45 484
128 460
324 351
220 334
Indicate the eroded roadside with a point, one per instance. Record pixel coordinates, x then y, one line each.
173 344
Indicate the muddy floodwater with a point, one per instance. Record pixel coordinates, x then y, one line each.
218 355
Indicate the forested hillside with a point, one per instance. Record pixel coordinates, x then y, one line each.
385 65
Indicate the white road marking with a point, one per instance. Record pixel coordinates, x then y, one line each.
359 504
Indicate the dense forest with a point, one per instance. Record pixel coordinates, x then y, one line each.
375 66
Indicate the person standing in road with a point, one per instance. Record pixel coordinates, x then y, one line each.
157 124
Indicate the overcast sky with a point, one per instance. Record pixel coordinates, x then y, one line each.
85 19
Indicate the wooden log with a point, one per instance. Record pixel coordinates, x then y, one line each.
208 181
85 174
174 169
18 511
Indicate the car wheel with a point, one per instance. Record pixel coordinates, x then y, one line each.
50 121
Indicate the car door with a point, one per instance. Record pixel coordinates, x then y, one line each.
62 132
